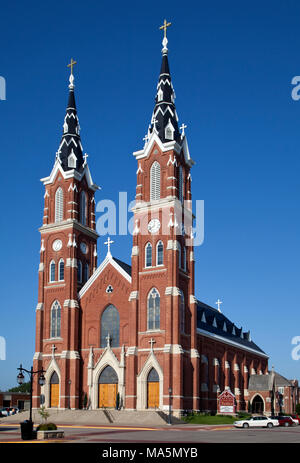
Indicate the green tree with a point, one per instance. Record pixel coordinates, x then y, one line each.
298 409
25 387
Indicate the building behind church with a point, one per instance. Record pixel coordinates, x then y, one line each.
134 335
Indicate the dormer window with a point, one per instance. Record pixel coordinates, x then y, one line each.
160 95
72 160
169 131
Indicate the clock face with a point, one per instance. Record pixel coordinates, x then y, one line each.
154 226
83 248
57 245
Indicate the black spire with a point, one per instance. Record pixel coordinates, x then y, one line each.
164 118
70 149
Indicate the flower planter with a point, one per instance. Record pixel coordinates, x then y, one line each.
50 434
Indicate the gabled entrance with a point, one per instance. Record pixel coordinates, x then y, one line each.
108 388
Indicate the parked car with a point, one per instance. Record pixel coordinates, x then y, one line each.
296 418
284 420
4 411
257 421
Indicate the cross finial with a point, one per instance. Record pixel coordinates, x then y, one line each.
108 243
71 79
154 122
146 138
71 65
152 341
108 339
183 126
218 304
85 158
164 27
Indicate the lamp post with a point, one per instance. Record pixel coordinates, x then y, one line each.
69 393
169 417
20 379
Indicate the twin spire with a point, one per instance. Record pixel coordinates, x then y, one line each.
70 153
164 120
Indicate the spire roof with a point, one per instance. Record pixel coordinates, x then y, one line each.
70 153
164 119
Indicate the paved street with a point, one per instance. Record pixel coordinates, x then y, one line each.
164 434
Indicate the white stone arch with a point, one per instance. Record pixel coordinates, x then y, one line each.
142 377
108 358
52 368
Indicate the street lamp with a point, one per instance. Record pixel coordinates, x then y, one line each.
169 417
41 380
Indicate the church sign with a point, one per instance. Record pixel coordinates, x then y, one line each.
226 402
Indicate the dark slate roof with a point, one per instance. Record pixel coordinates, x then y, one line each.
214 317
124 266
164 110
260 383
281 380
70 141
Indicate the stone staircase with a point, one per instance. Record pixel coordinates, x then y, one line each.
97 417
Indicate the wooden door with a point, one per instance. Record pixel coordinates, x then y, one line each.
54 395
153 395
107 395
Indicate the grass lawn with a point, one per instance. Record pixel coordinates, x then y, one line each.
203 419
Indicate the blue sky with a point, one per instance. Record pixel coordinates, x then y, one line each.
232 64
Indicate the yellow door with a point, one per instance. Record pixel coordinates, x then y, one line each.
107 395
54 394
153 395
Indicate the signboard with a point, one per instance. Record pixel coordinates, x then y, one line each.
226 402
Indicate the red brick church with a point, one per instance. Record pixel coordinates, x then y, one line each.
133 334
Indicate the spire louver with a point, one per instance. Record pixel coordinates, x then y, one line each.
164 118
69 152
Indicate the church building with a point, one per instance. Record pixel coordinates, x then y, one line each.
134 336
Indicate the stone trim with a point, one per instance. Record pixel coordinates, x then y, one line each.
40 306
71 304
135 251
172 291
70 354
133 295
132 350
195 353
41 267
71 262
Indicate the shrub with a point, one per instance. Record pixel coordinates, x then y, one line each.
298 409
47 427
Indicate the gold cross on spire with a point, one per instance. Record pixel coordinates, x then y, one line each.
164 27
71 65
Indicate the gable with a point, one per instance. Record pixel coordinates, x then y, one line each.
110 272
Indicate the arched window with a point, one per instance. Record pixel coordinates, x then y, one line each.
79 271
83 208
153 310
179 256
204 373
55 320
52 271
148 255
160 253
61 270
180 184
86 272
110 326
182 313
59 205
155 181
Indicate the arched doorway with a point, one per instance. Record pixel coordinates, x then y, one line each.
257 405
54 391
153 389
108 388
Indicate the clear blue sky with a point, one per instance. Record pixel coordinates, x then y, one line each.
232 63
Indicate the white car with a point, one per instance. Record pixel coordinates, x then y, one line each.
256 421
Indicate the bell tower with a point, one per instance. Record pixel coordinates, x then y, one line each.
163 303
68 257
